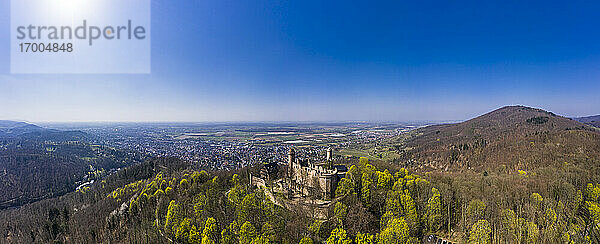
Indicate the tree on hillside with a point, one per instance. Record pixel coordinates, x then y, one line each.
338 236
364 238
247 233
340 211
209 234
434 211
480 233
194 236
306 240
395 232
475 211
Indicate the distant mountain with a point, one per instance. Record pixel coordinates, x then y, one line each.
8 127
514 136
25 131
590 120
10 124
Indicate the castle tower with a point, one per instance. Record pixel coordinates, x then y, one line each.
291 157
329 154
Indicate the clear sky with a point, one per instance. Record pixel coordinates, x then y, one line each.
331 61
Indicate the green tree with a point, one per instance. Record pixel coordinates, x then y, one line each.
480 233
475 211
235 179
594 211
133 207
400 204
385 180
512 225
200 202
184 184
353 174
183 230
261 240
367 186
345 187
199 177
364 238
363 161
401 173
158 194
268 233
550 217
399 185
385 218
319 228
306 240
210 230
536 200
592 193
228 235
247 233
237 192
340 211
254 208
434 211
338 236
195 236
395 232
173 217
533 232
169 191
206 240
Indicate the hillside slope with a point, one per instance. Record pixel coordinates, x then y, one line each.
590 120
514 136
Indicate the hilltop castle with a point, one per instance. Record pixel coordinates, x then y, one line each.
309 178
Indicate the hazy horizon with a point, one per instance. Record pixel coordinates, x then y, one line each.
281 121
335 61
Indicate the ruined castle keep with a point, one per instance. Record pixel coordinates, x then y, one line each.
320 179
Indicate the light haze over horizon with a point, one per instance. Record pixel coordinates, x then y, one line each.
335 61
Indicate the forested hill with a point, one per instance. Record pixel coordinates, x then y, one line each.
590 120
513 136
13 130
372 205
38 163
14 127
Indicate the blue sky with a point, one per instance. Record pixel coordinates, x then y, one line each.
333 61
